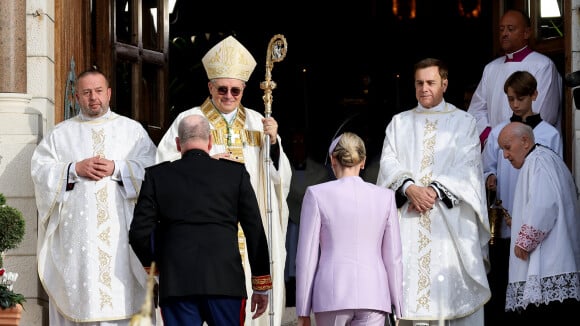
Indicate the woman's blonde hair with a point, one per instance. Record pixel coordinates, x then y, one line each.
348 149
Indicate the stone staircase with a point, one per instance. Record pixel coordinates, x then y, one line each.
289 317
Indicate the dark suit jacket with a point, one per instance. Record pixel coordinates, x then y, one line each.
193 205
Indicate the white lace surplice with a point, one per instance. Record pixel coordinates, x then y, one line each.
546 203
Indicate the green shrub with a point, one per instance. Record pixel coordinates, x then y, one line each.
12 226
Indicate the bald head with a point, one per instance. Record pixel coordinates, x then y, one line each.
516 140
193 132
514 30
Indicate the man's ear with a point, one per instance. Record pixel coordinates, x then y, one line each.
527 142
178 144
209 143
527 33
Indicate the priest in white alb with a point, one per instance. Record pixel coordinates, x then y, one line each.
431 157
87 172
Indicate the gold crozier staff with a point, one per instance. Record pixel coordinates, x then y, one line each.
276 52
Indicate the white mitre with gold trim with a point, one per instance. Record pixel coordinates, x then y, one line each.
229 59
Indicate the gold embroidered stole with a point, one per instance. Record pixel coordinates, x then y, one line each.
233 136
424 230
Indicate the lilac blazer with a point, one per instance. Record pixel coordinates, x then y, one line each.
355 224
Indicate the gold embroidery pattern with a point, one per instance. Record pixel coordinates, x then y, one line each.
428 153
430 126
240 136
261 283
424 241
105 300
103 217
426 179
242 244
102 212
99 142
424 281
425 222
105 266
424 263
105 236
423 300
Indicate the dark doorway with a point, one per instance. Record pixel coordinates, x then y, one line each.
350 66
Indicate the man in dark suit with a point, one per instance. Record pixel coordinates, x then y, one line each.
186 220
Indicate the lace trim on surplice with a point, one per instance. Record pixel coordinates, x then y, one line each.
538 291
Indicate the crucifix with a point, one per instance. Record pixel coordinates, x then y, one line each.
232 137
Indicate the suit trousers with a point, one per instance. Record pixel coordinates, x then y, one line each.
352 317
195 310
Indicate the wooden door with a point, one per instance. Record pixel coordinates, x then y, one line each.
128 41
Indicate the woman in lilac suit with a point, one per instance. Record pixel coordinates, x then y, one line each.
348 264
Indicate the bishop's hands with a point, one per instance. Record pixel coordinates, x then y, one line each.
421 199
95 168
271 129
226 156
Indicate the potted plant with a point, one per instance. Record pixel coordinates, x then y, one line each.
11 234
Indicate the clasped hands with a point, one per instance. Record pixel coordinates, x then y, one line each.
421 199
95 168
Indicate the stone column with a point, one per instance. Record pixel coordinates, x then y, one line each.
13 46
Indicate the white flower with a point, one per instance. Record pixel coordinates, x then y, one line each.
8 279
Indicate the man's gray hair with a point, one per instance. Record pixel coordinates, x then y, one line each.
193 126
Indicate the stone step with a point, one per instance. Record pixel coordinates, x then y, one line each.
289 317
